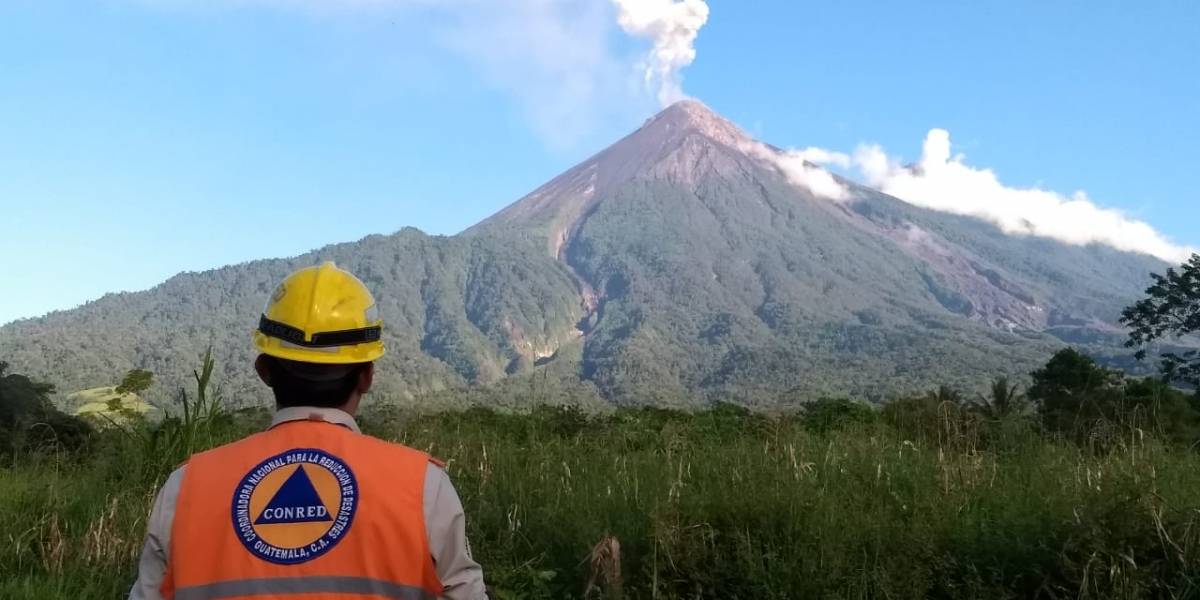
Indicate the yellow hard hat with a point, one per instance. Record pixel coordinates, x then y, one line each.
321 315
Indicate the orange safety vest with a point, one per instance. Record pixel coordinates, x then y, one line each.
307 507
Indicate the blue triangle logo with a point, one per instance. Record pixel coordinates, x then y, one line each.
295 502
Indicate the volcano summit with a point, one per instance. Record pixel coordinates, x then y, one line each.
679 265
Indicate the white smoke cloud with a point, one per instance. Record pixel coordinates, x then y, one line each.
802 170
943 181
821 156
552 56
555 58
673 26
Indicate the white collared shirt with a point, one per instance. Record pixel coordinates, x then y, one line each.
445 523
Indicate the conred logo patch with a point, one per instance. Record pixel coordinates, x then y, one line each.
295 506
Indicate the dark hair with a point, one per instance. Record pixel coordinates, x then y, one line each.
309 384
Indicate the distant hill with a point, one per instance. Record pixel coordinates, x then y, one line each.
673 267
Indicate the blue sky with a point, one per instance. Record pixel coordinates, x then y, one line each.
140 138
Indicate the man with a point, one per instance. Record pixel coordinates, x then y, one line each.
311 508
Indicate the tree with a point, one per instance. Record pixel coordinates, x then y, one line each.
135 382
22 400
1074 394
947 395
29 421
1003 401
940 415
1086 401
1168 411
830 414
1171 310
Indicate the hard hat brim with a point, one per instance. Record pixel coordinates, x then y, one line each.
335 355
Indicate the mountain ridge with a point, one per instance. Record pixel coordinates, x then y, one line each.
678 265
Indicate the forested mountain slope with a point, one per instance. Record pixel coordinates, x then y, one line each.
676 266
458 311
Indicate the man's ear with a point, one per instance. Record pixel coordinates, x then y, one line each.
263 369
366 377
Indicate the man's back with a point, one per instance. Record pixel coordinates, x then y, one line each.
306 505
309 506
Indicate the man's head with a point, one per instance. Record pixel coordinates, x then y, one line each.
310 384
319 336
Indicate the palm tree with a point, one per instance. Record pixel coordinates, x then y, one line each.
1004 400
947 395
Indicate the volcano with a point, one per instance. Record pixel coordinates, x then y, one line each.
680 265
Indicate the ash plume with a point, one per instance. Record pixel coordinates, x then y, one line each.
672 25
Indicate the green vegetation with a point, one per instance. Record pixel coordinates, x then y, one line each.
459 312
698 273
101 405
115 405
135 382
1075 481
1171 310
29 422
932 496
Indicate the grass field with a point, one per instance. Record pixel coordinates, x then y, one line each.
644 503
103 405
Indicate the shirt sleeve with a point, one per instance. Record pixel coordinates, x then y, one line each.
152 566
446 526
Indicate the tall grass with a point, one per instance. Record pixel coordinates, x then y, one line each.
739 506
647 503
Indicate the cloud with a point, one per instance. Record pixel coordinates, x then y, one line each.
821 156
552 56
943 181
801 168
555 58
673 26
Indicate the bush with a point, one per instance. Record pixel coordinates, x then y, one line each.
940 418
29 422
832 414
1099 407
918 500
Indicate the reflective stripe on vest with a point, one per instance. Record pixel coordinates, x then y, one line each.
302 585
307 507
